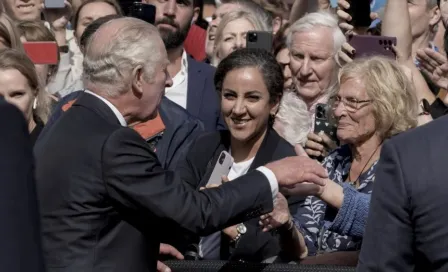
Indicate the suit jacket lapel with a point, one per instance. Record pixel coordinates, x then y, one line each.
195 90
96 105
267 149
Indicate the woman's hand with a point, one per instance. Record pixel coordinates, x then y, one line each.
345 55
58 18
435 66
345 19
278 217
319 145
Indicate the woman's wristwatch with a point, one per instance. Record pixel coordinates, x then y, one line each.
241 230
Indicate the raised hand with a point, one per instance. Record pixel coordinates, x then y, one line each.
58 18
434 65
345 19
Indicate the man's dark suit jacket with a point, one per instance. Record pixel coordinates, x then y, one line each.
181 129
407 228
20 239
202 98
255 245
106 203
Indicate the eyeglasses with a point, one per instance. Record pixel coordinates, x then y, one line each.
350 104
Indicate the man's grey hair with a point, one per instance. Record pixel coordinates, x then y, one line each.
318 19
109 63
293 118
254 8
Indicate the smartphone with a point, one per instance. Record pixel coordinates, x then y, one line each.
54 4
42 52
143 11
322 124
260 40
360 12
195 42
367 45
222 168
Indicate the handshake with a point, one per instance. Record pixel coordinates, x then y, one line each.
299 175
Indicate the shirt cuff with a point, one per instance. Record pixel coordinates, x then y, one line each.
272 180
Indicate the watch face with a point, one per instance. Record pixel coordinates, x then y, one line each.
241 228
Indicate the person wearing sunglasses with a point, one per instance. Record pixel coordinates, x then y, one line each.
376 100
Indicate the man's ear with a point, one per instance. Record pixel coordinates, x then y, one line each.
137 81
276 24
196 11
435 17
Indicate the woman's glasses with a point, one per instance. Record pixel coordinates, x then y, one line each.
350 104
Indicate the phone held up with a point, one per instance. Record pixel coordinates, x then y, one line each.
366 45
143 11
322 122
222 168
259 40
360 12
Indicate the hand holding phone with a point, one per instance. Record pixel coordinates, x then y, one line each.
360 12
322 124
222 168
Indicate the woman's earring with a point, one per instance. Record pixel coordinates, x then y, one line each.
35 104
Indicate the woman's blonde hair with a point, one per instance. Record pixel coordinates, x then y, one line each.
9 33
11 59
230 17
392 93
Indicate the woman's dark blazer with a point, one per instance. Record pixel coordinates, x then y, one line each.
255 245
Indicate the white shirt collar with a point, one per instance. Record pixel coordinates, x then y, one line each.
112 107
184 64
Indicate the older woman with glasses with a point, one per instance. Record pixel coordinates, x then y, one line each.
375 101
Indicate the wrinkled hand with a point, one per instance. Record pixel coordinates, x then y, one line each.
346 54
293 170
167 250
58 18
345 19
319 145
278 217
434 65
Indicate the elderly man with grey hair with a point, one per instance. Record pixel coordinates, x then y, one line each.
105 201
313 42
